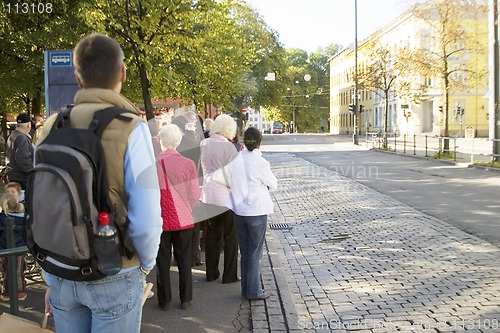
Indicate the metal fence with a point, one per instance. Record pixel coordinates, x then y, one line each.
11 253
461 149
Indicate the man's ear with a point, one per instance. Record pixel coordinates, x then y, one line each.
78 81
124 74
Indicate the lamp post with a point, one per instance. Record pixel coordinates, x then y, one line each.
355 137
293 129
494 109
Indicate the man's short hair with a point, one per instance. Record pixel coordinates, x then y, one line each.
98 61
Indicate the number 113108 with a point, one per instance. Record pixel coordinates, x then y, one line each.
29 8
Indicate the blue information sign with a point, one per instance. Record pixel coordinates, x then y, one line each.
60 81
60 59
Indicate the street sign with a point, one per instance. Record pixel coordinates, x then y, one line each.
60 59
270 77
60 81
405 106
408 113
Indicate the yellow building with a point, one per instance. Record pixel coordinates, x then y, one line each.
342 95
467 107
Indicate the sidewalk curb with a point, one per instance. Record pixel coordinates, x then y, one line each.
484 168
448 162
287 304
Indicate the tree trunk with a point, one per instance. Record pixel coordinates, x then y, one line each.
386 121
36 102
446 145
146 96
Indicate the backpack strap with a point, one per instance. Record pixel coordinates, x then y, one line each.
63 120
99 123
102 118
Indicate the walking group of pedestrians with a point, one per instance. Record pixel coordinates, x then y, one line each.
162 186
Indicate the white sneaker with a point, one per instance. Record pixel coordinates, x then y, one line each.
151 294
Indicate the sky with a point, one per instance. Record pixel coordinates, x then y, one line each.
309 24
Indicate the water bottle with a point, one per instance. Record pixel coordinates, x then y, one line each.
109 260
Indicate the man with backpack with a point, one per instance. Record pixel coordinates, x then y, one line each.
82 298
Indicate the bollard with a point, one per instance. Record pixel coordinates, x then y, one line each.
414 144
404 144
454 150
472 152
12 268
426 145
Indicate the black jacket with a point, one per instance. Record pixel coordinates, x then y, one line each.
18 234
19 156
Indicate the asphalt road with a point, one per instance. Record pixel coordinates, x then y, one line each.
464 197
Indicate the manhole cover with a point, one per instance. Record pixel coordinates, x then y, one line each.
277 226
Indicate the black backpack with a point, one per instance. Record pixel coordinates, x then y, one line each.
66 191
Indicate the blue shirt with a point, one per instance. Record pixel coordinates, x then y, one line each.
141 186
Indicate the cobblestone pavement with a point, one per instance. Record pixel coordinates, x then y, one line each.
355 260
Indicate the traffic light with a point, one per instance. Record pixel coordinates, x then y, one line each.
440 108
361 107
460 110
351 108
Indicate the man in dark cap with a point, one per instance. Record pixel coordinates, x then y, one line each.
19 159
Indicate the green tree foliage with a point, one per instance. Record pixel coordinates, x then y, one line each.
197 50
23 38
306 98
151 33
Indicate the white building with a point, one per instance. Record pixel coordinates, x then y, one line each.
256 119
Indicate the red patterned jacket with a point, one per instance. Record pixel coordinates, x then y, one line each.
177 203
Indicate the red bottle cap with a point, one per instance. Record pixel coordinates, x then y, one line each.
103 218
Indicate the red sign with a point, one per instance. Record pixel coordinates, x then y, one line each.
244 109
408 113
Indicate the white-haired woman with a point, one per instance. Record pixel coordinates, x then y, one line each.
216 152
179 193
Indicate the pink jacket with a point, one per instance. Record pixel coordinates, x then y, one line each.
216 152
177 203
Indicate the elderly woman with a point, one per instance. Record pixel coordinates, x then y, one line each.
216 152
179 193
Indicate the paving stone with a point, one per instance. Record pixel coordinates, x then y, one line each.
395 265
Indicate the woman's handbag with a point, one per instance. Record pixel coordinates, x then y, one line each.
223 176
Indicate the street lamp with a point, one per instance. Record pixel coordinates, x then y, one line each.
355 137
307 78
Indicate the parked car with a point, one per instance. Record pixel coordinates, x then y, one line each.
277 128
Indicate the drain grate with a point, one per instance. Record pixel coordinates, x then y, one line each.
280 226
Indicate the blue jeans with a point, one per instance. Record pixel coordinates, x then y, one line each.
251 235
109 305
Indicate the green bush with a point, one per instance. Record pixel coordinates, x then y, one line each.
444 155
488 164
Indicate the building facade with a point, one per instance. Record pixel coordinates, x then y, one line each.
256 119
423 114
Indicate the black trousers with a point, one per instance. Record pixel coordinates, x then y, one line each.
196 252
181 242
220 228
